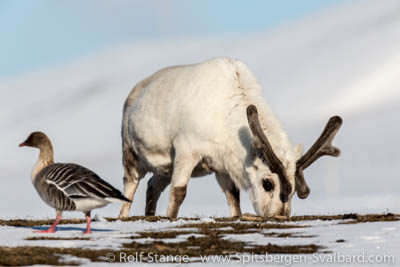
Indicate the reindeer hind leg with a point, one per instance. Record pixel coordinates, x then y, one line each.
155 187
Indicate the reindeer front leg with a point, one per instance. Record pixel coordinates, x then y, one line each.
183 167
131 179
232 193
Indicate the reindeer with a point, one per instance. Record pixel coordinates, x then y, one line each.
194 120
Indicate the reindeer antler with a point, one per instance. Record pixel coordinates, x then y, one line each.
263 144
322 147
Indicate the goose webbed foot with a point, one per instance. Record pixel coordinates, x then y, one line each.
52 228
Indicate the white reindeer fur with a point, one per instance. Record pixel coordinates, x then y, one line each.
198 112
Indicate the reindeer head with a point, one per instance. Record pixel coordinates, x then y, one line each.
274 182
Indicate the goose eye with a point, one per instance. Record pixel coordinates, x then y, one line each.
268 185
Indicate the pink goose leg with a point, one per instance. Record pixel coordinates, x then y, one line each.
52 228
88 231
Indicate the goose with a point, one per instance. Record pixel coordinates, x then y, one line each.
68 186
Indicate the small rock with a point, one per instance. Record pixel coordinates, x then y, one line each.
280 217
251 218
208 220
99 218
161 247
353 216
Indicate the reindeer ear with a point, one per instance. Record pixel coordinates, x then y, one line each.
299 150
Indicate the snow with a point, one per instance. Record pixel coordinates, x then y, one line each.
104 234
378 239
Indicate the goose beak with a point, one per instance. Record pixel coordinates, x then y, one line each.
22 144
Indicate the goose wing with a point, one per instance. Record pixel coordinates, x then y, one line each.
77 182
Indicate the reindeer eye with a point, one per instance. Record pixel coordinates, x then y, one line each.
268 185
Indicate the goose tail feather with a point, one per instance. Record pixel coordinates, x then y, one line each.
119 199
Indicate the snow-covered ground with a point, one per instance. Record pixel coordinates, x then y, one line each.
364 244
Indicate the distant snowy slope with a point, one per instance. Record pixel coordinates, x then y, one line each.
343 61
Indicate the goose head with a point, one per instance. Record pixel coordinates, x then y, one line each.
38 140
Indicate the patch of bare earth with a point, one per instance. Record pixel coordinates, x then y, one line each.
208 239
22 256
32 223
201 239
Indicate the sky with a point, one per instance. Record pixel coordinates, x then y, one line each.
43 33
